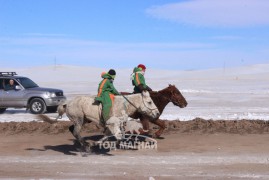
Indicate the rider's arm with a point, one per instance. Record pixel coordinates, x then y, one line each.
113 89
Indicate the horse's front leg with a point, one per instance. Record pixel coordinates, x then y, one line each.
145 123
161 124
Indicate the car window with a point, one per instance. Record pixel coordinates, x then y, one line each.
1 84
7 86
26 82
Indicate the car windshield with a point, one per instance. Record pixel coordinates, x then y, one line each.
27 83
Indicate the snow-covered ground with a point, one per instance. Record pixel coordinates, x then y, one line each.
229 94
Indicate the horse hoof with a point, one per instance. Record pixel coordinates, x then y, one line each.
143 132
157 136
85 151
88 149
84 154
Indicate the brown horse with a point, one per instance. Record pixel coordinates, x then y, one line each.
161 99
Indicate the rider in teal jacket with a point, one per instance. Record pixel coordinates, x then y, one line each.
138 79
106 92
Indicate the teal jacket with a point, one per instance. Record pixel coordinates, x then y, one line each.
105 88
139 81
9 87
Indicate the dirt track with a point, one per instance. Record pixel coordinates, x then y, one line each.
195 149
195 126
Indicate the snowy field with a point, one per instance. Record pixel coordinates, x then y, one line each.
227 94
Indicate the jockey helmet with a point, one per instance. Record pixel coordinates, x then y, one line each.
143 67
112 73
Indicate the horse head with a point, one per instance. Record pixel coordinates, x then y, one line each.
147 106
176 97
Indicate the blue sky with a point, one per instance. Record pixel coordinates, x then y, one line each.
162 34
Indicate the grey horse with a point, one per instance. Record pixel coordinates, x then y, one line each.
84 109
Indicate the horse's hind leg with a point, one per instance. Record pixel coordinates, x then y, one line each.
75 130
161 125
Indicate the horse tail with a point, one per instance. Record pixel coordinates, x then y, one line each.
61 110
47 119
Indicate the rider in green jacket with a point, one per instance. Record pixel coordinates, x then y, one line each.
138 79
106 92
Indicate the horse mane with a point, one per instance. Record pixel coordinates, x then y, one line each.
126 93
164 91
155 94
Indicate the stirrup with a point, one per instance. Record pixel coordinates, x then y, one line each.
102 122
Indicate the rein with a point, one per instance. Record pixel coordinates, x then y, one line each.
129 101
135 106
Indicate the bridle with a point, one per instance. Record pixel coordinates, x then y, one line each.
152 109
170 98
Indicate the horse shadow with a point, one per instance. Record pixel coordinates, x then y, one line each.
75 148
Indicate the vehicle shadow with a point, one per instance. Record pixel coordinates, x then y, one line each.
16 111
24 111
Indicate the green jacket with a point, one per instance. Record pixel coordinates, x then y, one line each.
105 88
138 79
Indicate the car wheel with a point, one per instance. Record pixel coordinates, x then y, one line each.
52 109
2 110
37 106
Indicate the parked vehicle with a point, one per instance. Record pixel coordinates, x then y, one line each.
24 93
